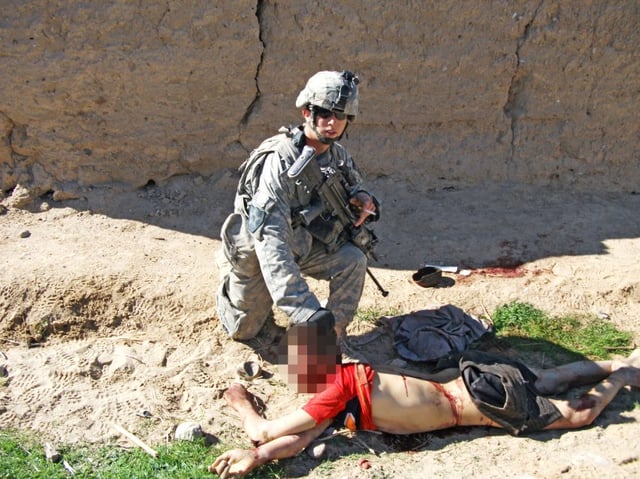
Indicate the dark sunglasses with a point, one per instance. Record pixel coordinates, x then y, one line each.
326 114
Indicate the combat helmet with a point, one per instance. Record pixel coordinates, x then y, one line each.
335 91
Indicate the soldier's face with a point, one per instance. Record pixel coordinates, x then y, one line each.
327 126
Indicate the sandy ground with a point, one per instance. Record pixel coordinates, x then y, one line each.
107 310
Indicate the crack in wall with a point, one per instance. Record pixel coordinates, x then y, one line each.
249 111
156 25
511 108
592 50
11 131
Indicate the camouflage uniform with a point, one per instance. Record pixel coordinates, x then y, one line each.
266 251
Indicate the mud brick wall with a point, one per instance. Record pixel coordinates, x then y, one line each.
118 92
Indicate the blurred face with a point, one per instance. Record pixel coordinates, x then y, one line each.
309 360
328 127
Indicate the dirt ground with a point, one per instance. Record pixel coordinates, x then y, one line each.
107 311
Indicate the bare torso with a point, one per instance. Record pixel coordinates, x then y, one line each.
406 405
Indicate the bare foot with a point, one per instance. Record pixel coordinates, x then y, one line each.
631 376
633 359
633 368
241 401
629 368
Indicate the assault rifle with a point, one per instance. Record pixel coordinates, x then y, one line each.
334 199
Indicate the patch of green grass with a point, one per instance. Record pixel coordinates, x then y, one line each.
371 315
22 457
526 327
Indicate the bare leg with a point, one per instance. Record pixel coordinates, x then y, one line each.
559 379
633 359
259 429
582 411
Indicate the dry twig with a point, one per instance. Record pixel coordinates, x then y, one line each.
134 439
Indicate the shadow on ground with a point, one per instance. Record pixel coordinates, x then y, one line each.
469 226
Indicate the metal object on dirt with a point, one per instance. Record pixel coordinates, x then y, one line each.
450 269
249 370
428 276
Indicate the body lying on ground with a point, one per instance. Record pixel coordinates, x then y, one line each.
487 391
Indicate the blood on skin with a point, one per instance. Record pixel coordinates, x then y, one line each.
453 402
586 401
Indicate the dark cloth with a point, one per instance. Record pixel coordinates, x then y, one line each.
349 417
432 334
504 390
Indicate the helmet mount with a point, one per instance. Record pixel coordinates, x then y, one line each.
349 86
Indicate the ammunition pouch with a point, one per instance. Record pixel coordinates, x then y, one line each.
329 233
313 218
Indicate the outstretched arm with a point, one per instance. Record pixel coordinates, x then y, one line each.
239 462
259 429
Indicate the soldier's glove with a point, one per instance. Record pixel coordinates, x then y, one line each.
324 318
318 332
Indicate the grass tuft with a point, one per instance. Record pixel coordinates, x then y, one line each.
22 457
526 327
372 315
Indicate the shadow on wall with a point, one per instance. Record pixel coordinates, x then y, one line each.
447 224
